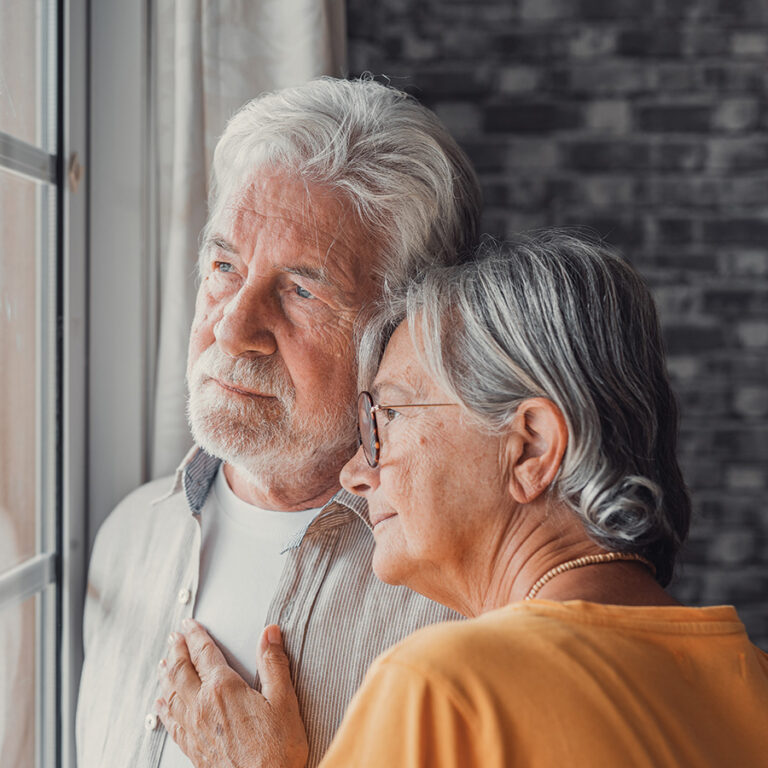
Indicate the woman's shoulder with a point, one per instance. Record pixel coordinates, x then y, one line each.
481 667
479 643
527 637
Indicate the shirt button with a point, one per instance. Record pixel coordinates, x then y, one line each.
150 722
184 595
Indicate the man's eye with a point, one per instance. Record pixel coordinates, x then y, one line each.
303 292
223 266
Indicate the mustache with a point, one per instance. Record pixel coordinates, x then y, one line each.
261 374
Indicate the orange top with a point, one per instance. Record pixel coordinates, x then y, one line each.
564 684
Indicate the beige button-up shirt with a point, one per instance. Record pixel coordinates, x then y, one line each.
336 616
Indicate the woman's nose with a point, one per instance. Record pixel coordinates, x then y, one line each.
358 477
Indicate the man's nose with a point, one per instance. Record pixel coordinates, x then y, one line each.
358 477
246 325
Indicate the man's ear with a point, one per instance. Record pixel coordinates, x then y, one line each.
534 448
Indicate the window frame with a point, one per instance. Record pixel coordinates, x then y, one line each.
35 576
38 576
73 284
105 322
56 574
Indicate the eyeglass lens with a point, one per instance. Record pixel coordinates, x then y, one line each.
366 421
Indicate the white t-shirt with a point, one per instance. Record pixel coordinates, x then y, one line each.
240 566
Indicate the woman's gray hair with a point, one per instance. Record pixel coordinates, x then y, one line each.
555 316
412 187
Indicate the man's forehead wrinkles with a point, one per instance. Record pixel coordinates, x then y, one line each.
328 251
340 218
306 229
307 210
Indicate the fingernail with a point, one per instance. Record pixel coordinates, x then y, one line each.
188 623
172 638
273 635
162 664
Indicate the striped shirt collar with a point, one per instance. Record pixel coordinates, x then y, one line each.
197 472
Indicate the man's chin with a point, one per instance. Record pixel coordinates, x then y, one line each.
257 465
233 447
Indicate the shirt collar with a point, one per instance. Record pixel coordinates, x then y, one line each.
197 472
198 476
335 512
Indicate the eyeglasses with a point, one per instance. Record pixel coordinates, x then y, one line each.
368 428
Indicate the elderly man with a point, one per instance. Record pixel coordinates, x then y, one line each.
323 195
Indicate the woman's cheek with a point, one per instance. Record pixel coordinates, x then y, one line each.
404 473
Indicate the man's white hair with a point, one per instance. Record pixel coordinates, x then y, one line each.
411 186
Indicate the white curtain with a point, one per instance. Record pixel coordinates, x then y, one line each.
210 56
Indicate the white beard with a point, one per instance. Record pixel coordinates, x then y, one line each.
264 437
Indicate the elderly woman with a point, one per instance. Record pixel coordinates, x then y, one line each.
518 460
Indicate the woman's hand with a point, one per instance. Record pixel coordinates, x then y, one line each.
217 719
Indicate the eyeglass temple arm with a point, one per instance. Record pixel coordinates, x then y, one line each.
379 406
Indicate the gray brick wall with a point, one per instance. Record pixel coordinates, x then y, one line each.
647 121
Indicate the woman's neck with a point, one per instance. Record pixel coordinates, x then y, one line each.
540 540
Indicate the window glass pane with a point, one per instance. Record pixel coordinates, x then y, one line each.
17 683
27 81
25 316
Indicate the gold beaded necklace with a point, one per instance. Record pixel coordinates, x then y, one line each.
580 562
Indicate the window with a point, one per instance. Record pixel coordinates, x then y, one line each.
38 299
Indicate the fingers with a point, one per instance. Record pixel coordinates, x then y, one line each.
172 725
274 667
203 652
178 677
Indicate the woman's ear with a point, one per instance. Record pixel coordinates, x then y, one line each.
535 444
